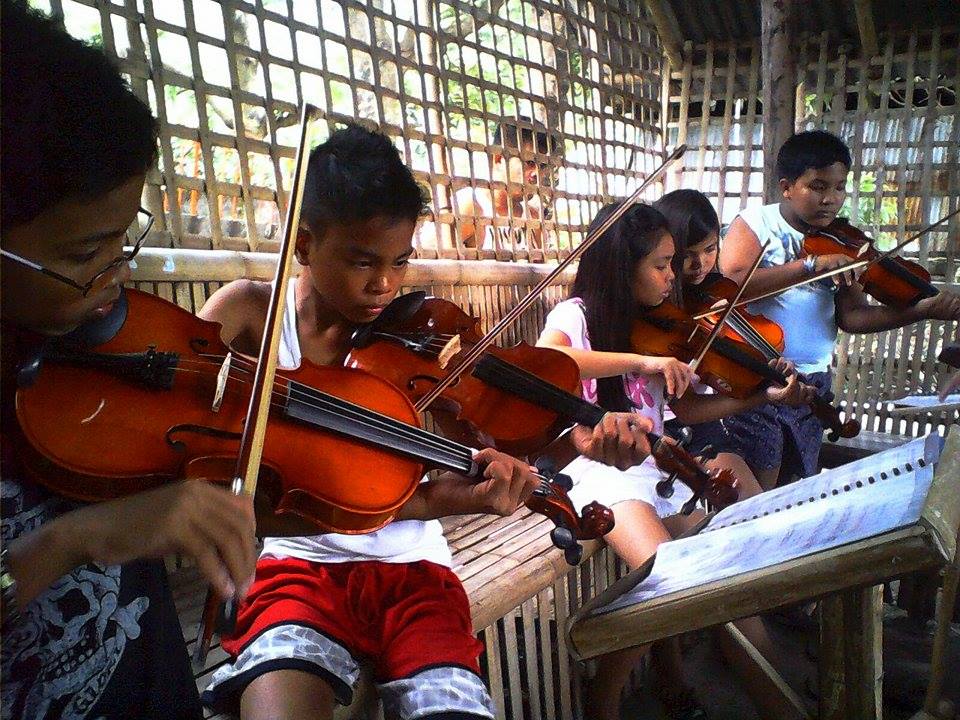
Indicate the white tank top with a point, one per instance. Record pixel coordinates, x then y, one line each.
401 541
806 313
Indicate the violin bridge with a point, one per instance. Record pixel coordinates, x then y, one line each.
222 382
449 350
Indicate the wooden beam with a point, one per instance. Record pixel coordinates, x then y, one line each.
770 693
778 82
668 29
867 28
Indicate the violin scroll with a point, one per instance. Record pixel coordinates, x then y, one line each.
830 417
720 488
551 499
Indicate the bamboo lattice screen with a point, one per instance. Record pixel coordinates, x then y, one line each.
438 76
898 112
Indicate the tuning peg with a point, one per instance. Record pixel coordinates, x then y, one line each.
546 467
562 538
665 487
563 481
684 436
573 555
690 505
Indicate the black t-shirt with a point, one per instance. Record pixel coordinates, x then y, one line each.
101 642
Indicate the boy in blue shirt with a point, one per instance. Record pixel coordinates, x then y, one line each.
813 168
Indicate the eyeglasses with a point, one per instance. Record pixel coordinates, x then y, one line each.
136 235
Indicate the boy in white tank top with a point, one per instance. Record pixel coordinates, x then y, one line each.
320 603
813 168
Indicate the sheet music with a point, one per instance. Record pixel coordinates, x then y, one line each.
830 483
785 524
925 401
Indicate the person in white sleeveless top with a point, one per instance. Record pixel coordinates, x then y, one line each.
812 167
524 163
322 603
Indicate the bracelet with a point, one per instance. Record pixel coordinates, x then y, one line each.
810 264
9 612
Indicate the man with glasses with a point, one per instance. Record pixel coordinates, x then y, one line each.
89 626
524 168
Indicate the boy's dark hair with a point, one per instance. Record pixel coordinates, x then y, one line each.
70 126
357 175
524 131
604 282
814 149
690 219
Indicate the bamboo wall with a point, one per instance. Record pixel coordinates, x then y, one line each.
897 111
225 79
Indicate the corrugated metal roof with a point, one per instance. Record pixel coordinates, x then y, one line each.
724 20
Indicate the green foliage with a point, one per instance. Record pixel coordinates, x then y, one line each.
868 214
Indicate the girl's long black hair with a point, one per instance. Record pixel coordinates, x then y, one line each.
605 284
690 219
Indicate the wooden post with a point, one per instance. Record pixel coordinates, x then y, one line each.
830 659
867 28
668 30
850 655
863 652
778 80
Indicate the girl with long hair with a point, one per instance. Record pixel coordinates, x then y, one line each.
627 272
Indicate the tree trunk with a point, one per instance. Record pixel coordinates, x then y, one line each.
779 75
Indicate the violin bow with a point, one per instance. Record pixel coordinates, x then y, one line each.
857 264
510 317
250 453
900 246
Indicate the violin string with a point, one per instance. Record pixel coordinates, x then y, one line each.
752 335
348 410
406 431
384 423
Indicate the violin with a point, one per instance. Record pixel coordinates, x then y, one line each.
733 366
416 339
889 279
164 399
521 397
719 488
741 326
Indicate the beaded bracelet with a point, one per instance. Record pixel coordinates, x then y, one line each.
9 611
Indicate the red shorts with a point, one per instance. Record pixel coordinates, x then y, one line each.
402 618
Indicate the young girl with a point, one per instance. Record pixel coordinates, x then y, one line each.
626 272
695 228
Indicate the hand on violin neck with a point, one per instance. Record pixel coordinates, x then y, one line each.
943 306
504 485
794 393
677 375
619 440
507 482
195 518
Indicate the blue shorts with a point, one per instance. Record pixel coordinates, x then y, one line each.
773 436
711 435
